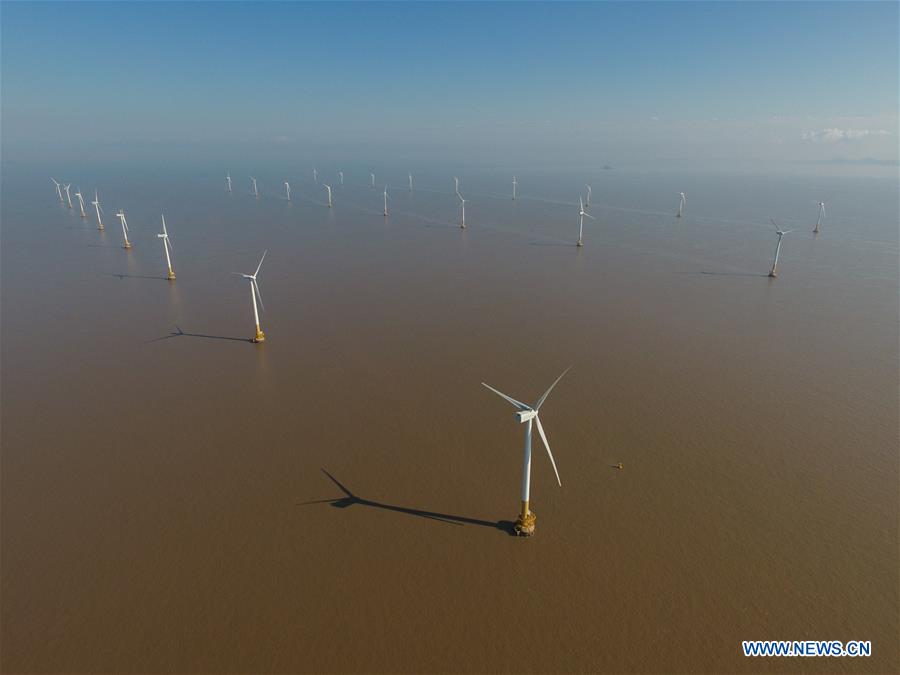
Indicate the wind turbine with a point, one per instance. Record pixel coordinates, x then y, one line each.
254 293
315 175
410 182
456 185
255 190
341 176
125 230
774 271
68 196
385 201
819 219
80 202
515 183
287 189
167 245
96 204
587 202
228 180
525 414
462 204
328 187
58 191
372 176
581 214
681 205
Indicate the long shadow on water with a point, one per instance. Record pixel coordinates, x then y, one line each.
350 499
180 333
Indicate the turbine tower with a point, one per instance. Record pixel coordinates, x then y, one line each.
167 245
96 205
819 219
328 187
372 176
315 175
527 415
681 205
58 190
410 182
254 293
228 180
255 189
515 183
125 230
456 185
774 271
587 201
341 176
68 196
581 214
385 201
462 205
80 202
287 190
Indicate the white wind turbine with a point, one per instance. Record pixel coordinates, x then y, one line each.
515 184
287 190
526 414
681 205
228 180
372 176
255 189
341 176
462 205
315 175
410 182
774 271
96 205
581 214
456 185
68 196
58 190
819 219
587 201
80 201
254 293
125 230
385 201
167 245
328 187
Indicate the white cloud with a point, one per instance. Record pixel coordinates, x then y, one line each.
838 135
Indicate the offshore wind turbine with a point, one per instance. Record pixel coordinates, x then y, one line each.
58 190
410 182
68 196
527 415
681 205
372 176
385 201
515 183
254 293
819 219
287 190
587 201
96 205
774 271
456 185
315 175
581 214
228 180
167 245
125 230
341 176
80 202
255 189
462 204
328 187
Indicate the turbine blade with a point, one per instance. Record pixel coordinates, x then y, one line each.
518 404
547 445
258 294
260 262
589 215
537 406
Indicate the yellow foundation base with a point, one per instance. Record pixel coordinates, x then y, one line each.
171 275
127 245
524 526
260 336
773 274
579 244
100 227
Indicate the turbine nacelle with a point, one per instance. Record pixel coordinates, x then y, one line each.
524 415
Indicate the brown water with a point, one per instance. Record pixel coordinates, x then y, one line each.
165 501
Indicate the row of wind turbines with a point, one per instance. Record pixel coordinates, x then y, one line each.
525 414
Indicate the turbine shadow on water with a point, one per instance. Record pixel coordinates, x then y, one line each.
350 499
121 277
180 333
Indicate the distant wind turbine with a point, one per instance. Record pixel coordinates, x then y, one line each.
96 204
774 271
328 187
125 230
254 293
819 219
341 176
315 175
462 205
525 414
287 190
68 196
515 183
385 201
80 201
410 182
255 189
228 180
456 185
167 245
587 201
681 205
581 214
372 176
58 190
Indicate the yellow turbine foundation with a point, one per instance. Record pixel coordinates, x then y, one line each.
260 336
171 275
127 244
524 526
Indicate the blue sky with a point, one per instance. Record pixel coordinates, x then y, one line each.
767 80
